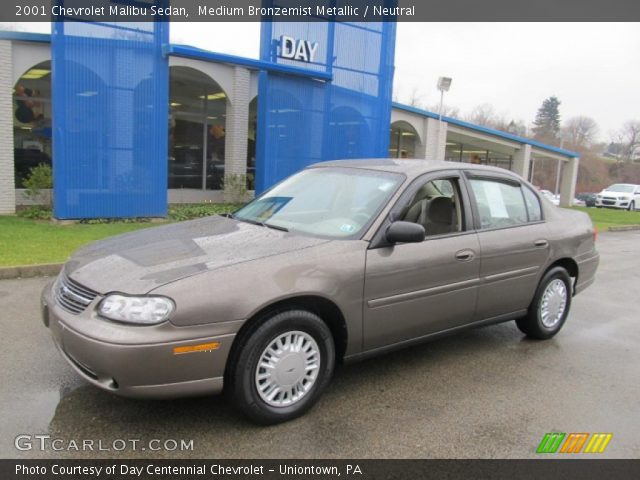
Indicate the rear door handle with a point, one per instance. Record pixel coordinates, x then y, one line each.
541 243
465 255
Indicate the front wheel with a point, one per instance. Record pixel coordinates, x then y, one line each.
283 367
632 206
550 306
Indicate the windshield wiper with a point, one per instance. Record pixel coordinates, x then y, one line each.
258 222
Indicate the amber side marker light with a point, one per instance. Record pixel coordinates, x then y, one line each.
203 347
595 233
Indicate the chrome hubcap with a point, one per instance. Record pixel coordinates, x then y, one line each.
287 369
554 301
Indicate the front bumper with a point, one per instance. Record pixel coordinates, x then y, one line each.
116 357
612 203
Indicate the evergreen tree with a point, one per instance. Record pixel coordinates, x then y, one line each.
547 122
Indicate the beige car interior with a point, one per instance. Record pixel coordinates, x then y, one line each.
436 209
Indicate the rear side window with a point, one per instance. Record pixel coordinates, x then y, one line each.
500 204
533 205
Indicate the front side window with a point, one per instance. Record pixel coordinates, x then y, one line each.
327 202
500 204
436 206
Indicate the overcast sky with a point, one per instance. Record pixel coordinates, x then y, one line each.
593 68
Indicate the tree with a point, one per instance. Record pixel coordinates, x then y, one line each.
415 99
629 137
580 132
484 115
447 110
547 122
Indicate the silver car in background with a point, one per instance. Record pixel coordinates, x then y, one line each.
339 262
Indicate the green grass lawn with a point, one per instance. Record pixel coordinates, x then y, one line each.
603 218
25 242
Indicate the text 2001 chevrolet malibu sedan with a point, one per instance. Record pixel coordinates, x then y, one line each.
343 260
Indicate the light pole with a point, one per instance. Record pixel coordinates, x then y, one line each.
444 83
559 167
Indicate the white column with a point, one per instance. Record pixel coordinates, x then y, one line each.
435 139
7 184
568 181
522 161
237 124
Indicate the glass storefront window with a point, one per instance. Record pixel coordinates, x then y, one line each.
32 121
197 119
403 140
251 143
467 153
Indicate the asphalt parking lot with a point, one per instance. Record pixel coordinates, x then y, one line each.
488 393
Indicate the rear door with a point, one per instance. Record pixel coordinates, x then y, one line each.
415 289
513 239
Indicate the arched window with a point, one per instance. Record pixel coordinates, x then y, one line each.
32 121
197 122
403 141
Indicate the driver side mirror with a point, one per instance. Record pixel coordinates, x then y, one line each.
405 232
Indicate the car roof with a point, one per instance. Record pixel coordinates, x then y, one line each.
409 167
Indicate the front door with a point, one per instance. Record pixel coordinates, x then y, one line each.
415 289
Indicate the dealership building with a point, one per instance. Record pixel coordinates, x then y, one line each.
213 127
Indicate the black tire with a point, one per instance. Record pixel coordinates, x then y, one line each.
532 324
632 206
242 373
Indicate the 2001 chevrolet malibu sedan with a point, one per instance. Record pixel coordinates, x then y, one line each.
343 260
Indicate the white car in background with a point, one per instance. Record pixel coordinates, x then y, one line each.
620 195
553 198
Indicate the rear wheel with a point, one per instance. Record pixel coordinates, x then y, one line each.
283 367
550 306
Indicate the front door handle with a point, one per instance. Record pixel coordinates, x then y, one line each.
465 255
541 243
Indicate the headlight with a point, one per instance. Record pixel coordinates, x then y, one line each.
140 310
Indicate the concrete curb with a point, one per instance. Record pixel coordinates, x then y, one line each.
26 271
624 228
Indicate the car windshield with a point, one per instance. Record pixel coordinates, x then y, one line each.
328 202
619 187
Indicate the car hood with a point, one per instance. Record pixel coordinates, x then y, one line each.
141 261
615 194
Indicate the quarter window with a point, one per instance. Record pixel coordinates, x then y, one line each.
533 205
500 204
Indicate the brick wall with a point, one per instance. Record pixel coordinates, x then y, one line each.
7 187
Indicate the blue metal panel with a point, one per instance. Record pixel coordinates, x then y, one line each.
303 121
110 110
199 54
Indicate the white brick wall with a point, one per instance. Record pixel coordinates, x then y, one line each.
237 125
7 187
522 161
435 136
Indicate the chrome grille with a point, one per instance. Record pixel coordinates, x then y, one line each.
72 296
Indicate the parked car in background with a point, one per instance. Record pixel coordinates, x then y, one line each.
620 195
588 198
341 261
552 197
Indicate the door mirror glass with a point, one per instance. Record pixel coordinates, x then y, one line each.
405 232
